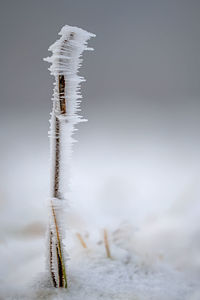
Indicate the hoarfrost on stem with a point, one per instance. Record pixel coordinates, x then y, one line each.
65 62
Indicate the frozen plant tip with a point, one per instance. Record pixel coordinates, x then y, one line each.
65 62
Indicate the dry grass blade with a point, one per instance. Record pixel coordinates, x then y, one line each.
80 238
60 261
107 244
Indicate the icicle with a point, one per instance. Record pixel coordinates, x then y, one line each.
65 62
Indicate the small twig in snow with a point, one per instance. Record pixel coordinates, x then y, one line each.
81 240
107 244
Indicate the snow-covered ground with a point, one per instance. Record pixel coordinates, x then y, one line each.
92 275
152 221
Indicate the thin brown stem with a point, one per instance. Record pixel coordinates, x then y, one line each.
60 271
60 259
57 159
81 240
62 94
51 260
106 244
62 108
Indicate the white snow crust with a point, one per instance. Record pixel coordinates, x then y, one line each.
126 276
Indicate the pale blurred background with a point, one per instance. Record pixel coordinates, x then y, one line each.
137 159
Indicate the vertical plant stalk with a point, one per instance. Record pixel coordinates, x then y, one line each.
62 277
65 62
58 109
51 258
80 238
106 243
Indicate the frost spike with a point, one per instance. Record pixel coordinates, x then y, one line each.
65 62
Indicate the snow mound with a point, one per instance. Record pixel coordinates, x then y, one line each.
126 275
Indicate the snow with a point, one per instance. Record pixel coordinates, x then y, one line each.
92 275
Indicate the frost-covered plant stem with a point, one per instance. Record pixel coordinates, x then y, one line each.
56 194
65 62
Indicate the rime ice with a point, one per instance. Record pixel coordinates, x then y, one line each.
65 62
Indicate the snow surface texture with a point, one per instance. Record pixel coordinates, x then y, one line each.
126 275
65 62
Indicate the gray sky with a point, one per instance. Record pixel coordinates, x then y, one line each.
143 49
